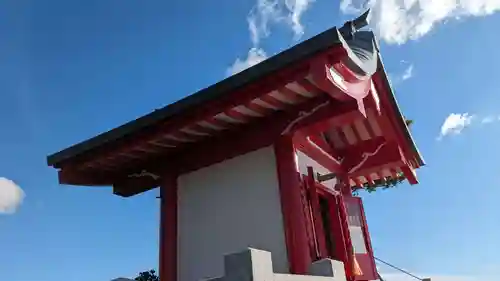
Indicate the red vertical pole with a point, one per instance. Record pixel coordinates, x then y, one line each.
316 212
291 206
168 229
366 234
344 217
345 191
345 186
340 249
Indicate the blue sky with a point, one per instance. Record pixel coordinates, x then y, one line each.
72 69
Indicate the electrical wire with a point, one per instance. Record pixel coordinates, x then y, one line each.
397 268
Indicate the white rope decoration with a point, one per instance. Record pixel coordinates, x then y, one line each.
302 115
144 173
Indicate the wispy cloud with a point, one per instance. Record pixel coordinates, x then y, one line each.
260 17
263 15
11 196
397 21
255 55
268 12
408 73
489 119
404 75
455 123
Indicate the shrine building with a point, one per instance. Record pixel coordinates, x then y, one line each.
268 158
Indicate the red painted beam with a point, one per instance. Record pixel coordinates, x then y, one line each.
130 186
314 151
391 124
373 169
73 177
409 173
308 86
369 179
257 135
375 155
371 153
321 142
231 143
336 121
122 185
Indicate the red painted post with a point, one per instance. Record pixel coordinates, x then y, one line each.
168 229
339 250
345 191
291 206
316 212
366 235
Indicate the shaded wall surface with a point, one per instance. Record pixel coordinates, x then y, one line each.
227 207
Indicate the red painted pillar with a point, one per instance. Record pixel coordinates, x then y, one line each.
351 265
318 223
291 206
168 229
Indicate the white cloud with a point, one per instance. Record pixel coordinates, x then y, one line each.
351 7
254 56
267 12
455 123
397 21
11 196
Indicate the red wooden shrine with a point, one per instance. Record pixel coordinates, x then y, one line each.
327 98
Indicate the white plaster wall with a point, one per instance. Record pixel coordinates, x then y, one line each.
303 161
226 208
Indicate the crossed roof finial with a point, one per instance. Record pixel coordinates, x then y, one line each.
351 27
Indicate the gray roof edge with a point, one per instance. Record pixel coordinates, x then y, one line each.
304 50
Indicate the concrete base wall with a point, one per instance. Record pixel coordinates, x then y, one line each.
257 265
